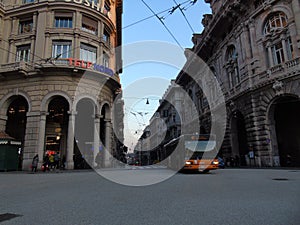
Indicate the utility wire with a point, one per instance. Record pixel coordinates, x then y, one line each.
160 19
181 10
149 17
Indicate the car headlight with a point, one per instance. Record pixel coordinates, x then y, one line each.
215 162
188 163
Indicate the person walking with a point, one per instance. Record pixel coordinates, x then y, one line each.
56 160
51 162
34 163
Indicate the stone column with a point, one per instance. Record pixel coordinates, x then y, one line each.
41 138
270 55
293 35
70 140
245 42
252 39
32 141
283 42
296 10
12 52
108 151
76 47
34 22
96 136
3 119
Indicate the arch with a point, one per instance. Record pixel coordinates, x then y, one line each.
275 21
106 107
91 98
8 99
231 53
278 8
284 128
51 95
16 109
239 142
225 50
85 125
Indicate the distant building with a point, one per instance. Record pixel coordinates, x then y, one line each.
252 47
47 47
164 125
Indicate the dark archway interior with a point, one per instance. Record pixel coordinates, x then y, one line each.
57 126
16 123
16 118
241 136
84 134
287 123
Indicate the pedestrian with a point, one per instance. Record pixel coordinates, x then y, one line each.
56 160
46 163
51 162
34 163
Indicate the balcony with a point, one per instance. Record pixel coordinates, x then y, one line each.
284 70
22 67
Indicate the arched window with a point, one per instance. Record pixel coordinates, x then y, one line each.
275 22
279 48
232 66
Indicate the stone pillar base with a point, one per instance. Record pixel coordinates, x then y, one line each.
26 166
70 165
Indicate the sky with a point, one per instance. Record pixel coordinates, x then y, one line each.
140 25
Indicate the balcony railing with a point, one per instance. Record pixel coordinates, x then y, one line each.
285 69
292 63
16 66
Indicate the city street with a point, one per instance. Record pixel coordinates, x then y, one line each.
225 196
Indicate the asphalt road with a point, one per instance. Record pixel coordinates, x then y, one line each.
229 196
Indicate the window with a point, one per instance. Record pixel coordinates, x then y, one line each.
275 22
106 7
106 36
89 25
279 49
165 113
88 53
105 59
61 49
25 26
63 22
23 53
232 66
278 55
27 1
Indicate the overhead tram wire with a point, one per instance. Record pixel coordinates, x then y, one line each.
149 17
181 10
161 20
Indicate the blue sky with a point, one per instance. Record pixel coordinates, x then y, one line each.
152 29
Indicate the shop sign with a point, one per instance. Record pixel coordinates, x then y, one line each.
8 142
90 65
92 4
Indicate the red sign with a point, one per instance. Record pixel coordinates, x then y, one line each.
80 63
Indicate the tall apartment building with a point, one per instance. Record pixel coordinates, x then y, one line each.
59 76
253 49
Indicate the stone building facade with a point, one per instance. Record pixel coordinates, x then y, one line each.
253 49
59 76
164 126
